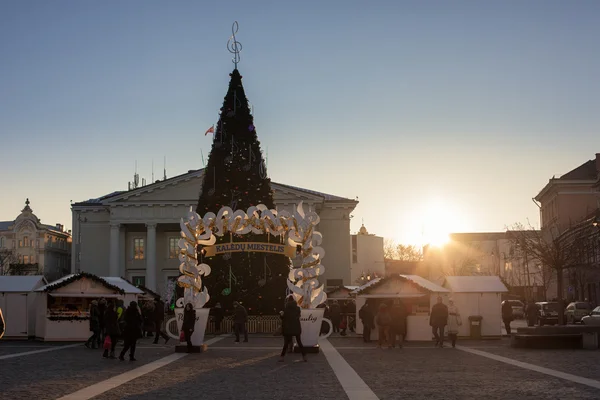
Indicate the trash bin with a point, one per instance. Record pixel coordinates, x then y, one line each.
475 326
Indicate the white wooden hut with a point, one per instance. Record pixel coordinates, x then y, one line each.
18 302
478 295
416 293
63 313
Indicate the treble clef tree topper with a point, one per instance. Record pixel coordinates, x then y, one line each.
233 45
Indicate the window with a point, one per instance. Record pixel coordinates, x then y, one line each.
26 242
354 249
25 259
138 280
138 249
20 243
173 247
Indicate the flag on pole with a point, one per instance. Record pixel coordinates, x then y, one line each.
210 130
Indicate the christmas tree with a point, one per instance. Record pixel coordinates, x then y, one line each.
236 176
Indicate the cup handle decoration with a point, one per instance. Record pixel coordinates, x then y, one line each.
168 331
330 329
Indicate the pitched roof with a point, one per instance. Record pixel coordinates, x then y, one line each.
111 282
417 280
99 200
20 283
475 284
5 224
586 171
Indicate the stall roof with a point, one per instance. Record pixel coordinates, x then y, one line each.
20 283
475 284
415 279
112 282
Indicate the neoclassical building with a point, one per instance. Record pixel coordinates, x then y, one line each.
28 247
134 233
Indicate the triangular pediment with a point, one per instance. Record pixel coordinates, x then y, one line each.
186 188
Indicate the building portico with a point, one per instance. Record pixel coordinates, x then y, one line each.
134 233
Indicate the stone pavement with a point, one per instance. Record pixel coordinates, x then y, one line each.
251 371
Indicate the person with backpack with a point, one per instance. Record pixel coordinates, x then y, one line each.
384 321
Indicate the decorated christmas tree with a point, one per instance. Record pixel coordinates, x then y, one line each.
236 176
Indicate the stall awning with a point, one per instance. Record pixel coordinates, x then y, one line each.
88 295
393 296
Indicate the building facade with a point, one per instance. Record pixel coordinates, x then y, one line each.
134 233
28 247
367 256
567 200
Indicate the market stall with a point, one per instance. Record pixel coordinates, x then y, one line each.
416 293
478 296
63 311
19 302
341 293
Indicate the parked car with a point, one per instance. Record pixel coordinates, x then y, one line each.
548 313
577 310
518 308
593 318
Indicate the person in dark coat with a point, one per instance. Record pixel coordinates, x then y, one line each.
218 315
101 311
367 318
111 326
335 312
291 327
532 313
438 319
134 323
159 317
398 327
189 322
240 317
384 322
92 342
507 315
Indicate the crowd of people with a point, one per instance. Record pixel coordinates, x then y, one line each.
111 321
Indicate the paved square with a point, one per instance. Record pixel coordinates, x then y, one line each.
345 368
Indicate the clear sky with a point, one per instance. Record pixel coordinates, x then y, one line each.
435 114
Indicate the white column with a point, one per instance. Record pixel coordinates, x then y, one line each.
122 254
114 250
151 257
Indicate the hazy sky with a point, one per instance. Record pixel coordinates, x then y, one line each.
436 114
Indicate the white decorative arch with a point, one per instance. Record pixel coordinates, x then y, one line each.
298 228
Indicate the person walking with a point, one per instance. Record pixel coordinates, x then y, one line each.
398 325
218 315
366 316
111 325
240 317
92 342
291 327
336 316
134 324
438 320
507 315
454 321
189 322
159 317
384 321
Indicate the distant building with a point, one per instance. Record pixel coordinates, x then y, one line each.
28 247
488 253
567 200
134 233
367 255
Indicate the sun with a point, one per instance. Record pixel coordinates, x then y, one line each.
437 220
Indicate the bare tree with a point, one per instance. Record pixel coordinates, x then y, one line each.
408 253
554 250
8 260
389 249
